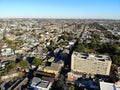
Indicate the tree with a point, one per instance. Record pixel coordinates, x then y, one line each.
43 63
97 26
1 71
108 34
50 47
113 74
59 84
24 64
51 43
1 44
10 42
0 25
72 87
80 48
113 70
115 59
11 66
36 62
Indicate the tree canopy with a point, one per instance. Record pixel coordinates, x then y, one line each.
36 62
24 64
113 50
11 66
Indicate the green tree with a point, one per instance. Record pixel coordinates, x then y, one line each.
43 63
0 25
9 42
24 64
80 48
51 43
1 71
59 84
108 34
114 69
11 66
50 47
36 62
97 26
72 87
115 59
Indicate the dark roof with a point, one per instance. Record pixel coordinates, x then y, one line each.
48 79
44 74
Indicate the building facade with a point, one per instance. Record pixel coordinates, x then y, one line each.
90 63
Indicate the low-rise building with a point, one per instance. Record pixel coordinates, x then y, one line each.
108 86
18 84
73 76
19 51
54 68
7 52
38 84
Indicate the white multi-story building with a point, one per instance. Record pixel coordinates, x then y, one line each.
90 63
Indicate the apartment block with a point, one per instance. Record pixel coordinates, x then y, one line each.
90 63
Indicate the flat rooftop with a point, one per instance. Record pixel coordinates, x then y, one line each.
93 56
39 83
108 86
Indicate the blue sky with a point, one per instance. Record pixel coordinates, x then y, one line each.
98 9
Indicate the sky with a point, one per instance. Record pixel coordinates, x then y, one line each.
83 9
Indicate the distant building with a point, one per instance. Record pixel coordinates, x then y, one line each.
6 51
19 51
38 84
8 58
90 63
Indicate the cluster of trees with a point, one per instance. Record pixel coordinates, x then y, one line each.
37 62
0 25
20 64
89 47
112 50
72 87
86 47
78 26
59 83
13 44
97 26
117 37
1 44
13 66
109 35
51 46
66 37
9 42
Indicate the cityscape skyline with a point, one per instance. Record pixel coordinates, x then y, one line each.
77 9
